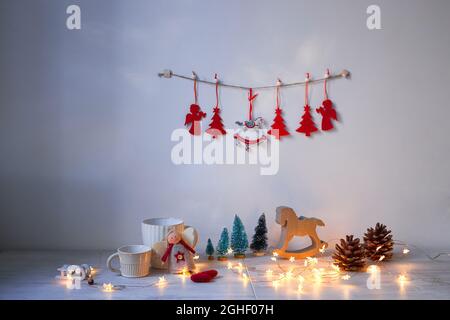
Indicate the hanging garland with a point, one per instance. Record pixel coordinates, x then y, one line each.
252 131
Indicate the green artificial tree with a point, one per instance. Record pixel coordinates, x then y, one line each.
222 246
259 241
210 250
239 242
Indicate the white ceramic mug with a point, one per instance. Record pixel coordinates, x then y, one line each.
154 232
156 229
134 261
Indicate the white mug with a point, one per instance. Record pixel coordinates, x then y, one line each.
154 232
156 229
134 261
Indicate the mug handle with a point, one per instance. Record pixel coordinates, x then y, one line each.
195 234
109 262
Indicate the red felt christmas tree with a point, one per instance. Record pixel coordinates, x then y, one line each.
216 126
307 125
278 127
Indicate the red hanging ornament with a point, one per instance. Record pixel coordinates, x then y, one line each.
307 125
196 114
216 126
278 122
327 111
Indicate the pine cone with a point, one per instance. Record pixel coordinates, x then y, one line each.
349 256
378 242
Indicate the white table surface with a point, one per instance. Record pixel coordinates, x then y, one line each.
31 275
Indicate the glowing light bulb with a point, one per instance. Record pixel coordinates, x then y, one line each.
184 272
335 267
229 265
196 257
406 251
322 250
289 275
275 283
244 277
292 259
108 287
300 279
372 268
402 278
273 259
275 254
229 251
269 272
300 288
345 277
162 281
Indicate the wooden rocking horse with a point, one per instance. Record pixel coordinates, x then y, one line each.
291 226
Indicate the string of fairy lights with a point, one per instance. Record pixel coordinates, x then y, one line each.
297 272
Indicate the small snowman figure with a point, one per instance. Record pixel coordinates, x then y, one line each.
179 254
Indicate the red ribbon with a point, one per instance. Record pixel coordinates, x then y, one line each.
251 97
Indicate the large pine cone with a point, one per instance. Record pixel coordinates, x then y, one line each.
378 242
349 256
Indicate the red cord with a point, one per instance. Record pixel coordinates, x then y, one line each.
217 91
195 90
325 84
250 99
306 89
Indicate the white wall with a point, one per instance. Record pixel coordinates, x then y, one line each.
85 123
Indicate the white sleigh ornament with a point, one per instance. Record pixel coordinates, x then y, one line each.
252 132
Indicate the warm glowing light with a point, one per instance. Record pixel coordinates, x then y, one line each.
196 257
322 250
275 283
300 288
300 278
317 274
162 281
372 268
378 248
382 258
92 271
229 251
289 275
406 251
269 272
311 261
69 283
108 287
229 265
273 259
281 276
275 254
244 277
239 267
335 267
184 272
345 277
292 259
402 278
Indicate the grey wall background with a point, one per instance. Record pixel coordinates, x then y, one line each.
85 123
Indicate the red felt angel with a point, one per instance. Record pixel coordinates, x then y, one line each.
327 111
196 114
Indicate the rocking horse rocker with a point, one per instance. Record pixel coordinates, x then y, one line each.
291 226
